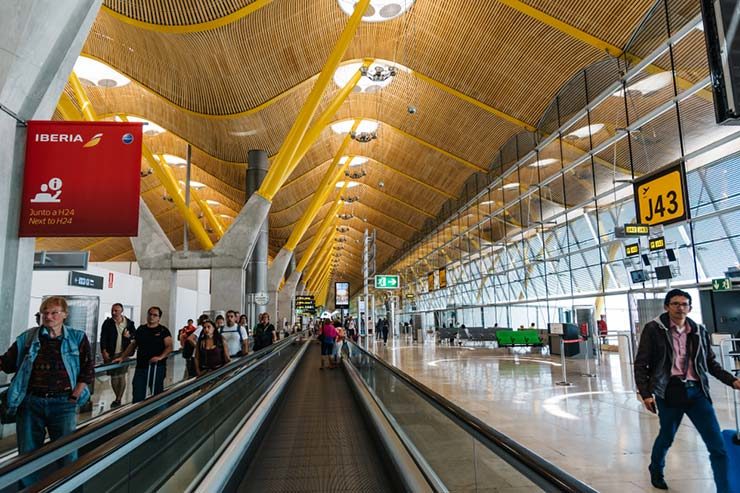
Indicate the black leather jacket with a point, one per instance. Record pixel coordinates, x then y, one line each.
109 335
654 358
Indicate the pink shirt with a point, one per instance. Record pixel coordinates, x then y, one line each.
679 352
329 331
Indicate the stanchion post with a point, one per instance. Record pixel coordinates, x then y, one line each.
588 364
565 382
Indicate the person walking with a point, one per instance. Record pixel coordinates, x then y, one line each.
53 366
211 352
234 336
384 330
187 340
264 332
152 343
115 336
671 367
328 336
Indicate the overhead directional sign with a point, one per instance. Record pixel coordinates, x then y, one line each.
636 229
387 282
632 249
660 198
305 303
657 244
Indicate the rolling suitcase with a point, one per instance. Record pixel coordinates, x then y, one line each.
732 444
151 380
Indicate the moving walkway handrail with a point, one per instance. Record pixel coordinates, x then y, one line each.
71 477
25 464
105 367
526 461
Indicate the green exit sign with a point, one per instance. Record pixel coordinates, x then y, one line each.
721 284
387 282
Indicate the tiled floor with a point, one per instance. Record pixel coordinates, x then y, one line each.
596 429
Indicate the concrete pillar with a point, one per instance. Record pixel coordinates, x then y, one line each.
39 44
159 280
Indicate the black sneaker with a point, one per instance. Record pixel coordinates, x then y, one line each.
656 479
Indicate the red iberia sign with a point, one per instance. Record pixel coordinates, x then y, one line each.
81 179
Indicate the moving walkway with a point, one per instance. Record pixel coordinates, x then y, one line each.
274 422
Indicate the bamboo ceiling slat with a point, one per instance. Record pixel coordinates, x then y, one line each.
611 21
483 69
175 12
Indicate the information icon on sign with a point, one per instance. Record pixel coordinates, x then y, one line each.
44 197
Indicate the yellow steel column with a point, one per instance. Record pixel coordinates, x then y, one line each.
323 253
67 109
163 173
326 224
279 168
318 264
212 219
85 105
329 182
171 175
160 170
322 273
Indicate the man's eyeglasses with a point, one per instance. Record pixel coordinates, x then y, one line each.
153 315
676 304
53 314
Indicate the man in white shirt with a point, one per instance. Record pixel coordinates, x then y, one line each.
234 336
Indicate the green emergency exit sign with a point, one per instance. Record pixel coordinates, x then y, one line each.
721 284
387 282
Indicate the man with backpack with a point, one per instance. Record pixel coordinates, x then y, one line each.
234 336
264 332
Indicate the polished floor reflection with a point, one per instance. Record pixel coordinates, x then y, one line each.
595 429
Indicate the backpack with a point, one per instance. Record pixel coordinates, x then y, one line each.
241 337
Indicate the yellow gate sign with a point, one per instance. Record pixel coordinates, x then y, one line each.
660 198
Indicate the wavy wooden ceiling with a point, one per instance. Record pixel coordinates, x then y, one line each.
231 75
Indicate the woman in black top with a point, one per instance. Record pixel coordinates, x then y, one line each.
210 352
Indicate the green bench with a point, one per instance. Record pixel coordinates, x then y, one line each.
522 337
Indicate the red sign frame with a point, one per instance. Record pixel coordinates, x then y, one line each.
81 179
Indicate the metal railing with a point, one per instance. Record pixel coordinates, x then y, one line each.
532 466
101 433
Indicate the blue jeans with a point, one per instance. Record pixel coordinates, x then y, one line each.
701 413
36 416
140 383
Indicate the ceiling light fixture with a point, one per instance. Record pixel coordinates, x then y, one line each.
380 74
363 137
98 74
345 216
351 184
378 10
583 132
350 199
213 202
355 175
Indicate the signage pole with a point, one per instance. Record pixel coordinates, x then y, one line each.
188 156
366 291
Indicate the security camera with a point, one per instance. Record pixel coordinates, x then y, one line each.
411 109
